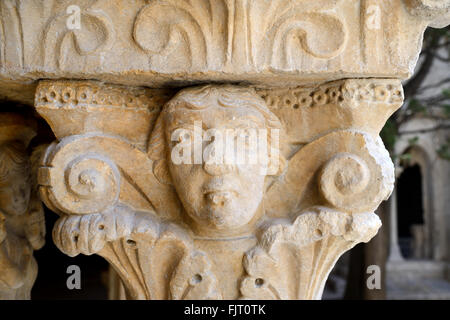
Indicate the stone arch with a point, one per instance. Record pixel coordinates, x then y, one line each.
423 153
415 174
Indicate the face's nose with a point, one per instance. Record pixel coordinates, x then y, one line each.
217 169
213 164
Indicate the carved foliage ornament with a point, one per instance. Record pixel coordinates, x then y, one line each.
143 42
85 30
169 228
256 32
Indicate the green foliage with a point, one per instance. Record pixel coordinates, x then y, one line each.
436 46
446 93
444 150
389 134
413 141
416 107
405 158
446 108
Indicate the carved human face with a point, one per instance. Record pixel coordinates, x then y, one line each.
216 196
15 193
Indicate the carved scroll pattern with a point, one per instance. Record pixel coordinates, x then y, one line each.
352 173
141 248
216 33
228 38
95 36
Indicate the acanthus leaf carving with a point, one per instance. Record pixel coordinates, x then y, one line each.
156 260
292 260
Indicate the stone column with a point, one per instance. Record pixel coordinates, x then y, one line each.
116 291
136 173
394 249
22 227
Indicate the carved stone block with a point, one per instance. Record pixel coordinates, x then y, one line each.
215 230
179 42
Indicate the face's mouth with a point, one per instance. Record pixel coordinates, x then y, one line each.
220 184
218 192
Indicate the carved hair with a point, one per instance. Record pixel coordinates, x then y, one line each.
226 96
199 98
13 159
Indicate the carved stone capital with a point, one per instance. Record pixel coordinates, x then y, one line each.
214 230
22 227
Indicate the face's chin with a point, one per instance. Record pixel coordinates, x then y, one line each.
18 209
14 203
225 210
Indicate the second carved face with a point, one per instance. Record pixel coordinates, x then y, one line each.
15 179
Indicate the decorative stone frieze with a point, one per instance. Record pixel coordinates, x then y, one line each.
180 42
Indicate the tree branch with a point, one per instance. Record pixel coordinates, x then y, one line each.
436 128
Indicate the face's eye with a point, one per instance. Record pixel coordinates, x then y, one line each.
181 136
184 137
247 135
242 134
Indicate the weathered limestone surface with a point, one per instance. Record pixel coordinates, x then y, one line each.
321 77
22 228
